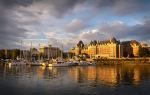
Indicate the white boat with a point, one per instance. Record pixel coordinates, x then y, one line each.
58 63
85 63
17 63
37 63
73 63
62 64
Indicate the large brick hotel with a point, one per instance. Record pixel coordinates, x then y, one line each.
111 48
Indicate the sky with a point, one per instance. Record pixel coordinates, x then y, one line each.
65 22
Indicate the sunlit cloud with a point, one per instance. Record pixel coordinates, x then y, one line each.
66 22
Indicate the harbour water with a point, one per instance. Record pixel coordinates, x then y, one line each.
77 80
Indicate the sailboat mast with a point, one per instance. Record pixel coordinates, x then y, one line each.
13 53
20 49
39 53
48 50
31 51
62 52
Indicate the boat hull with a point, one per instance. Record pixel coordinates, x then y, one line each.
58 65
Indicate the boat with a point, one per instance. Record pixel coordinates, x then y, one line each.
17 63
86 63
37 63
83 63
58 63
91 63
73 63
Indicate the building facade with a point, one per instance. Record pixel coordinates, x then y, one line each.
131 49
50 52
111 48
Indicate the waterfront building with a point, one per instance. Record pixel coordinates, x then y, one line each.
111 48
136 46
50 52
107 48
34 51
145 49
131 48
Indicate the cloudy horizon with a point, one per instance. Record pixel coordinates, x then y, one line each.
65 22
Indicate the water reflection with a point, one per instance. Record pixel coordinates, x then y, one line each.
97 80
29 72
110 75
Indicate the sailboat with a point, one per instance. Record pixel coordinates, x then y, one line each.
36 62
59 62
19 61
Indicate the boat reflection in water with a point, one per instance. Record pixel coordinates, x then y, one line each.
78 80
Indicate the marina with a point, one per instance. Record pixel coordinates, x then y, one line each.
75 47
64 63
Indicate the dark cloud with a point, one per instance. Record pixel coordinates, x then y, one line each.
118 7
141 31
121 7
15 3
127 7
124 31
11 31
75 26
60 7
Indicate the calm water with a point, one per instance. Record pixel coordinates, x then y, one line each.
91 80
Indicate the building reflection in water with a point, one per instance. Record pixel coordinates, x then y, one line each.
48 73
110 75
95 75
90 75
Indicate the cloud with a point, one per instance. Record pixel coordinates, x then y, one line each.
21 19
120 7
9 29
28 18
124 31
75 25
15 3
117 29
93 34
127 7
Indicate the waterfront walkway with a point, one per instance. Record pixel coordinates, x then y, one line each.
122 60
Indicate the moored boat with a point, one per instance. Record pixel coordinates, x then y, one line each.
17 63
37 63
